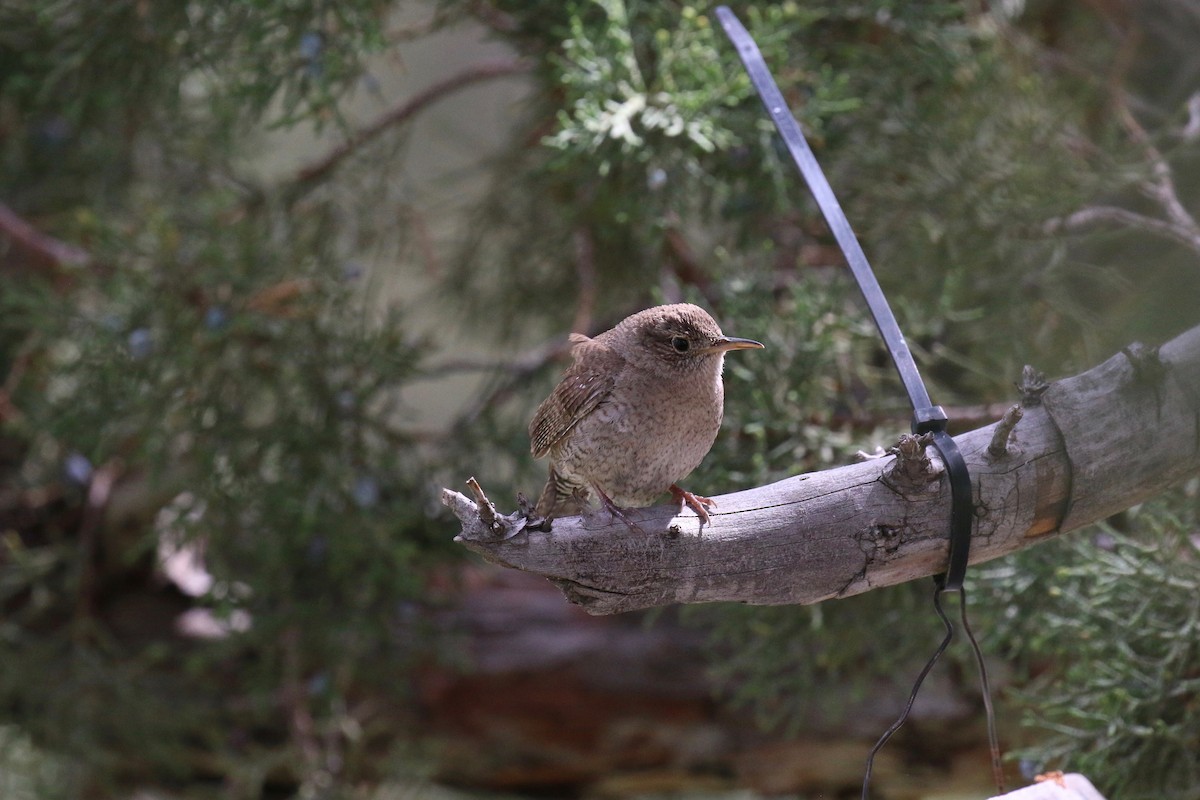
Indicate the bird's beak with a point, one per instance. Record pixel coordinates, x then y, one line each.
727 343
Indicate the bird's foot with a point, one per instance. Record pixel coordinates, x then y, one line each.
617 511
697 503
528 510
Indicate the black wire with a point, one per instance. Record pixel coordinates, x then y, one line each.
912 697
989 712
986 689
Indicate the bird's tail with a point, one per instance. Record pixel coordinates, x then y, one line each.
560 498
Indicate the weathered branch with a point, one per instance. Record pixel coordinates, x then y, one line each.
1095 444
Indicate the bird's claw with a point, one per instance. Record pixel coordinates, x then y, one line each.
616 511
698 503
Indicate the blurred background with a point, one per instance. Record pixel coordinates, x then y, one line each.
273 273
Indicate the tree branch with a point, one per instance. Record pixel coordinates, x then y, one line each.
46 250
1179 224
1096 443
1095 215
317 171
1162 188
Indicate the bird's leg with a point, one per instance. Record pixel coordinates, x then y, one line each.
697 503
579 496
616 510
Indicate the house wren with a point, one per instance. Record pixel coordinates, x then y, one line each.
636 412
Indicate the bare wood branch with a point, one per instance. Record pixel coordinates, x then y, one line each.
1096 215
1162 188
999 445
1098 442
317 171
1179 224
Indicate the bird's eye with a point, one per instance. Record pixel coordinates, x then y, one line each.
680 344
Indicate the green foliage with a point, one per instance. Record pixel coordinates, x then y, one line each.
951 145
596 69
657 133
83 83
29 774
657 130
218 356
220 361
81 60
1107 626
790 412
233 377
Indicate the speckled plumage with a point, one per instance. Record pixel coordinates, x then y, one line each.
636 412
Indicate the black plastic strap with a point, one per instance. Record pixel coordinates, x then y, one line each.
962 512
802 154
927 418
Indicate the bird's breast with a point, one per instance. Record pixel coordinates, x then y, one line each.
647 434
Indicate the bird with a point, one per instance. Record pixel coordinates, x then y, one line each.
636 411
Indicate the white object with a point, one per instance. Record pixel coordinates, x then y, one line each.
1056 786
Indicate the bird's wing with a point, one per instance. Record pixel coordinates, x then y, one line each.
584 385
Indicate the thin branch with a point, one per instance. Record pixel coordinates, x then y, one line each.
301 725
680 258
1179 225
424 240
1095 215
1000 435
1191 131
513 374
46 249
318 170
1162 188
493 18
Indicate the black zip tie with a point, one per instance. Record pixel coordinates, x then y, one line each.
927 417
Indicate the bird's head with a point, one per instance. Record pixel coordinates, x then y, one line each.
678 339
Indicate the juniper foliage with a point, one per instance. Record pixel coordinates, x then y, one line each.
218 359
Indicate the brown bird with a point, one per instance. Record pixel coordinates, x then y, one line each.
636 412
